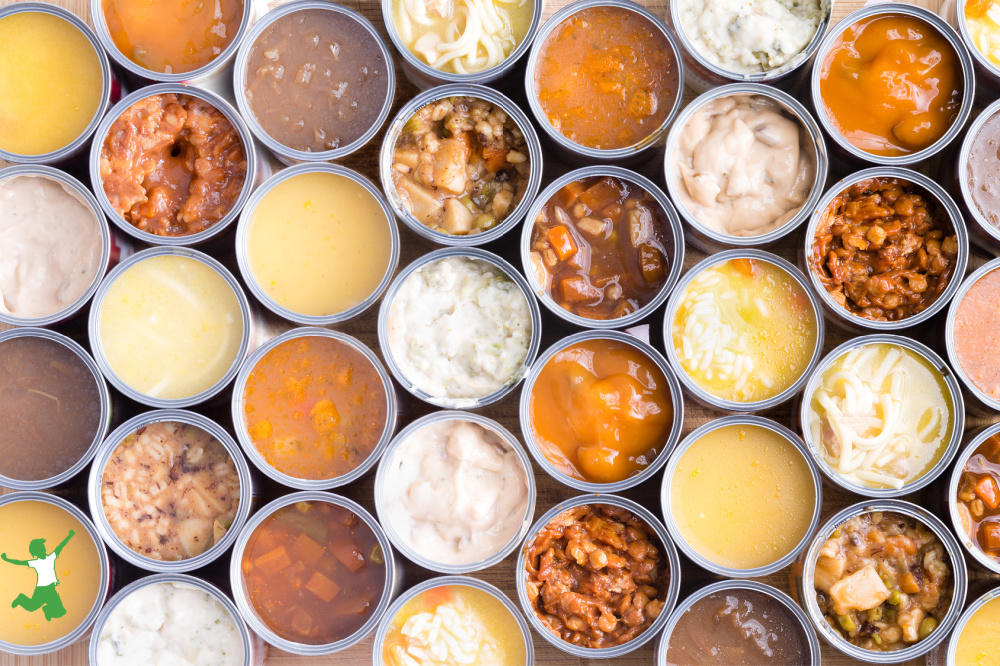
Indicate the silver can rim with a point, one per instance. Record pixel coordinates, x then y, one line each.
956 634
791 106
485 76
246 609
66 180
673 225
397 539
102 589
96 478
971 546
223 107
669 444
943 29
97 345
949 333
243 436
798 61
104 422
808 635
468 253
958 569
963 31
105 100
243 232
214 65
841 314
667 507
184 580
614 154
485 94
950 445
242 58
699 394
964 182
447 581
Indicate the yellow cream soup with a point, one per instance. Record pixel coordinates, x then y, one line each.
319 244
979 642
48 588
742 496
171 327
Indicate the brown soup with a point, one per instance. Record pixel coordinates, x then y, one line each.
50 408
316 80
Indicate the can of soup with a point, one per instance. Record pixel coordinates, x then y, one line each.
967 524
537 273
572 151
974 181
981 635
981 47
812 256
978 399
711 240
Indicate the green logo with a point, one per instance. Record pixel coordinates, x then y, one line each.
44 564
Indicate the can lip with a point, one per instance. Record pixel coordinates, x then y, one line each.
971 545
97 346
447 581
243 240
96 478
494 97
104 421
469 253
218 595
943 29
839 313
791 106
239 425
586 152
796 62
959 581
673 585
381 503
69 181
217 63
674 435
698 393
442 77
964 183
808 635
247 611
957 411
675 532
963 620
673 224
241 62
102 588
102 57
949 332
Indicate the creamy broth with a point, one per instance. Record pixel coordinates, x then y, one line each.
977 644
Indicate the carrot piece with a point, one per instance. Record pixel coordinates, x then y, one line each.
991 447
348 555
308 550
302 621
987 490
651 263
989 535
576 289
570 193
495 157
322 587
273 561
900 544
603 193
908 583
747 266
561 241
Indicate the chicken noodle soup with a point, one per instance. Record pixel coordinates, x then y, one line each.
50 572
881 415
729 321
462 36
314 572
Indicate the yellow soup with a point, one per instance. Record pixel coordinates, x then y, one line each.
171 327
50 574
742 496
50 83
319 244
978 644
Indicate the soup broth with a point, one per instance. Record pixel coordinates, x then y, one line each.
977 644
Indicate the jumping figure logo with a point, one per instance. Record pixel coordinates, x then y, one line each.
45 595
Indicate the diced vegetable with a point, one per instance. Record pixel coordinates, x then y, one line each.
651 262
991 447
561 241
274 561
322 587
570 193
908 583
348 556
987 490
861 590
604 193
847 623
307 549
302 622
577 289
899 545
989 535
927 625
829 570
494 156
747 266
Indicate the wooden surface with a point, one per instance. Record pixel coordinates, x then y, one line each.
549 491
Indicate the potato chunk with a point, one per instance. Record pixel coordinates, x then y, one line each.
860 591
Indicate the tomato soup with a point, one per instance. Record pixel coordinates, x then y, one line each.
603 63
891 85
50 572
601 411
314 407
314 572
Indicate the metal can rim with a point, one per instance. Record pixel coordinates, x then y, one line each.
964 183
949 332
963 620
971 546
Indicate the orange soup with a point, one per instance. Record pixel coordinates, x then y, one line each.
601 411
314 572
314 407
891 85
605 63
